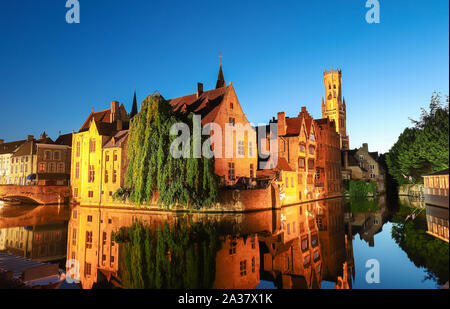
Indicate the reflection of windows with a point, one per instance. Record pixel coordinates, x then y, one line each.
87 269
253 241
253 265
314 240
233 244
77 170
311 164
241 148
251 170
243 268
91 176
316 255
305 244
301 162
231 174
306 260
74 237
302 148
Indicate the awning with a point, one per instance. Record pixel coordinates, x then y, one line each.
31 177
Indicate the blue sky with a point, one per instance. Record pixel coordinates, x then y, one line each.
53 73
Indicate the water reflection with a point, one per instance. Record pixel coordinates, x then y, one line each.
323 244
295 247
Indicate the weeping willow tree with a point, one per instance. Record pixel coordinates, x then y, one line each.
186 180
176 257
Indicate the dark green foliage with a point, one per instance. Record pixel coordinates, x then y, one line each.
422 249
423 148
151 168
176 257
363 205
121 195
361 189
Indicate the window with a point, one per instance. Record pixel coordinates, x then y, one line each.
287 182
302 148
288 228
60 167
251 170
372 167
292 182
311 164
89 218
361 157
90 194
253 265
306 260
316 256
241 148
78 148
87 269
305 244
243 268
231 105
92 145
231 120
301 162
372 175
311 150
42 167
107 156
250 149
253 241
233 244
77 170
91 176
314 240
75 192
115 156
47 155
104 238
57 155
312 137
88 240
114 176
51 167
106 176
74 237
231 174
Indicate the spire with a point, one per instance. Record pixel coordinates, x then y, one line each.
220 79
134 108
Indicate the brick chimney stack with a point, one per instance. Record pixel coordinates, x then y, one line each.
199 89
365 146
281 124
2 141
114 111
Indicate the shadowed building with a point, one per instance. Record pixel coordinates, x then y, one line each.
6 152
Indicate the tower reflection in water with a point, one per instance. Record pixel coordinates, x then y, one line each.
293 248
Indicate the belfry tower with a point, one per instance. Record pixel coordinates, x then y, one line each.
333 107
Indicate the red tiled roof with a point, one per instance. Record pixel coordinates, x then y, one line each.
101 116
207 105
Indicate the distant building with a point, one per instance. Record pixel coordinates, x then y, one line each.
6 152
41 162
333 107
360 164
436 188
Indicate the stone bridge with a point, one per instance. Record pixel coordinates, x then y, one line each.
43 195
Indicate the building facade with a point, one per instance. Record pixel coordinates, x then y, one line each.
6 152
328 167
235 156
333 107
364 165
96 156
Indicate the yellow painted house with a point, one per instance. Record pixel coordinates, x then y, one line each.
98 156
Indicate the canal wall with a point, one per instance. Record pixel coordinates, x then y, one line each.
416 190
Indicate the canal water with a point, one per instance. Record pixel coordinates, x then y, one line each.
336 243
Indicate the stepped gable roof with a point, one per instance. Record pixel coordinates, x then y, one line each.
65 139
101 116
206 105
11 146
117 140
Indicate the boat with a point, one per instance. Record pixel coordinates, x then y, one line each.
28 273
436 188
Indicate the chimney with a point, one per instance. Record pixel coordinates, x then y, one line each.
119 125
2 141
365 147
281 124
30 138
199 89
114 111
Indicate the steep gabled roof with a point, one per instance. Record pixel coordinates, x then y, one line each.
117 139
206 105
65 139
101 116
11 146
